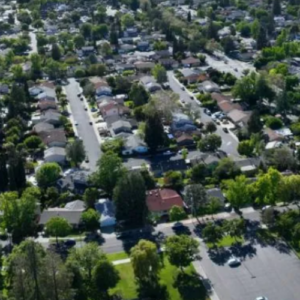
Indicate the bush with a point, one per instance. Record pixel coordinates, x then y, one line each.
79 73
274 123
296 128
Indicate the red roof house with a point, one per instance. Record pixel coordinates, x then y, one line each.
160 201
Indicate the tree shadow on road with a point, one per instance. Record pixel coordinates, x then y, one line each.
153 290
191 287
219 255
243 251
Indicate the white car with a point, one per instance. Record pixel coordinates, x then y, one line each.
233 261
261 298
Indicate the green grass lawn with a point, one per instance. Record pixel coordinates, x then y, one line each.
117 256
227 241
179 286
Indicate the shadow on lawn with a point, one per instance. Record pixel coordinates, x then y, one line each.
191 287
153 290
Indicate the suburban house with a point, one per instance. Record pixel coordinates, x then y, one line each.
163 166
71 212
160 201
106 209
77 181
113 109
190 62
239 118
182 123
208 86
144 66
150 84
42 127
134 145
103 91
191 76
121 126
55 154
224 103
185 140
52 117
216 193
52 137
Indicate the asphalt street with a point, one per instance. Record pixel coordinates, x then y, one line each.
85 130
229 140
267 271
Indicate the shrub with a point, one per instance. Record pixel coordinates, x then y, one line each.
274 123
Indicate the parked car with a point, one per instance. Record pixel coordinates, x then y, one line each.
70 243
234 261
261 298
91 123
87 159
93 109
225 129
79 94
85 108
207 111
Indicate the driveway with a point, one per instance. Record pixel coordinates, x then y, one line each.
85 131
229 140
267 271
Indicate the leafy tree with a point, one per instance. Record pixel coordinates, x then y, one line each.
3 174
246 148
283 159
210 127
228 44
109 171
127 20
154 131
261 41
255 28
177 213
244 29
148 178
105 277
145 261
196 197
276 7
173 179
58 227
75 152
238 192
268 216
226 169
90 219
210 143
181 250
48 174
212 233
160 73
18 214
90 196
82 262
86 30
56 52
130 199
267 188
254 124
79 41
274 123
198 173
235 228
138 95
214 205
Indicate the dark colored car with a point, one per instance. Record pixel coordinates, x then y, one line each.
70 243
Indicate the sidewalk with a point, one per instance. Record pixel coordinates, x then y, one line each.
121 261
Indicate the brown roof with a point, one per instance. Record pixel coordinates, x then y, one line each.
48 84
184 137
47 105
100 84
190 60
54 135
159 200
219 97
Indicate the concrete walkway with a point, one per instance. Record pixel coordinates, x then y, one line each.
121 261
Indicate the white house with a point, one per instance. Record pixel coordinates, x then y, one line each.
55 154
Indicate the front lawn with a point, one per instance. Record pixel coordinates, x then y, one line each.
180 286
227 241
117 256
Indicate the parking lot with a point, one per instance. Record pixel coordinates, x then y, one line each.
268 271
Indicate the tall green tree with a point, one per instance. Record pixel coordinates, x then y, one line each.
154 131
3 173
196 197
90 196
48 174
160 73
261 41
238 192
276 9
58 227
138 94
177 213
235 228
145 261
210 143
110 169
181 250
56 52
130 199
212 233
90 219
105 277
76 152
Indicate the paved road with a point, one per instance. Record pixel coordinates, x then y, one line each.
270 271
84 129
233 66
33 42
229 140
